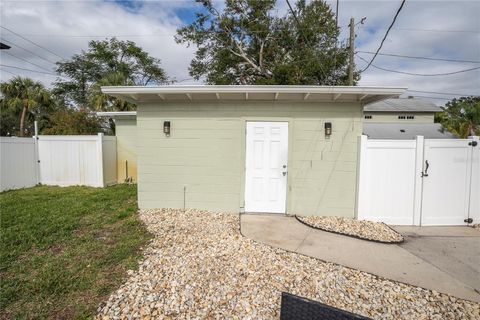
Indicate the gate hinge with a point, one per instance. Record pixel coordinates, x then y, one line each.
469 220
473 143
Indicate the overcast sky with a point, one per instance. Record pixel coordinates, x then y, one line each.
434 29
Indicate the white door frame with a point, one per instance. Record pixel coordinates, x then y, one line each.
277 201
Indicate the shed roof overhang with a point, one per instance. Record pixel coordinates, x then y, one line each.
200 93
118 114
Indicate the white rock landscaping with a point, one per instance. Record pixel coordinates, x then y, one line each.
199 266
369 230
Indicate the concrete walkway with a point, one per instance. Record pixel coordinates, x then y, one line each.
445 259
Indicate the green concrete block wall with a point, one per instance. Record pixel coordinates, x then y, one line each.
126 133
205 154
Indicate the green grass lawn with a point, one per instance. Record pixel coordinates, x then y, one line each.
63 250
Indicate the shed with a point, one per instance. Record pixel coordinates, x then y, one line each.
278 149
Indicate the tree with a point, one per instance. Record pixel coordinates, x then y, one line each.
461 116
69 121
8 119
23 98
247 44
104 61
100 101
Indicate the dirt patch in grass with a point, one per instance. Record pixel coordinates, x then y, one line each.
63 250
56 248
65 313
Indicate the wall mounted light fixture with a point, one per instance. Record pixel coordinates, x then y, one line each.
328 128
166 128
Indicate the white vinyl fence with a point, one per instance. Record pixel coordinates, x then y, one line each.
18 162
419 182
61 160
77 160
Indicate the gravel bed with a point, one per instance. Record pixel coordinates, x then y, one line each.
199 266
369 230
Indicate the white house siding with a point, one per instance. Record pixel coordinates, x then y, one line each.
392 117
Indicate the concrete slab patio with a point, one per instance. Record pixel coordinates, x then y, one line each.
443 259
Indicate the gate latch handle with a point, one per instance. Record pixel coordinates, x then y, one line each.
425 174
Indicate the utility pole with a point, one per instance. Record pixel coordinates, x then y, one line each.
351 50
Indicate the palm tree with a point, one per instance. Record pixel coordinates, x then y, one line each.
102 102
25 94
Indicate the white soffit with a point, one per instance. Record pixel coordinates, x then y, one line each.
254 93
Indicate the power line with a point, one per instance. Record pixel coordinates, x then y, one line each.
13 74
420 74
19 68
129 35
428 97
35 54
113 35
89 1
416 57
444 93
437 30
303 35
36 44
336 14
59 35
36 65
385 36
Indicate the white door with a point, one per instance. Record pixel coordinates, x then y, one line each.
266 166
446 182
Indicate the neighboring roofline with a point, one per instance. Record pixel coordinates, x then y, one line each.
401 111
404 105
392 130
363 94
117 114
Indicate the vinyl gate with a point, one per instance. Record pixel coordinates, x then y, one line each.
77 160
419 182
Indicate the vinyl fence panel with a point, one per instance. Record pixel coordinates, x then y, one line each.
77 160
18 163
387 180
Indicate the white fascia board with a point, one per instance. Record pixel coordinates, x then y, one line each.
117 114
291 93
253 89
